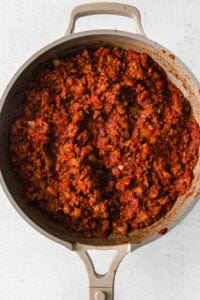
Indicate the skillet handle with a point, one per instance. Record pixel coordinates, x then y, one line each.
101 287
119 9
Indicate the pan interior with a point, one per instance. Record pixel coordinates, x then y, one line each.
14 93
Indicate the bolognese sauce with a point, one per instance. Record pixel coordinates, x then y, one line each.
103 142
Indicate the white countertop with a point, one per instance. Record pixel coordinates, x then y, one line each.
35 268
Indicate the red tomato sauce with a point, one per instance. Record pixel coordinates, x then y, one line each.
103 142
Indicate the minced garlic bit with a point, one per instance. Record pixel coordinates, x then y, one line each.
120 167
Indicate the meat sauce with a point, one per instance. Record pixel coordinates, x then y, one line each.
103 142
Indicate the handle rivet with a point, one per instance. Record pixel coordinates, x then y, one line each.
100 296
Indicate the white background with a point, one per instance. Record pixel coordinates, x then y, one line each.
35 268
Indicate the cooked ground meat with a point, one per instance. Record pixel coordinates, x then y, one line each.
103 142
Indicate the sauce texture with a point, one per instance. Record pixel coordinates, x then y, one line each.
103 142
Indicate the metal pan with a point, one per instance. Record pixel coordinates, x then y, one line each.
101 287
